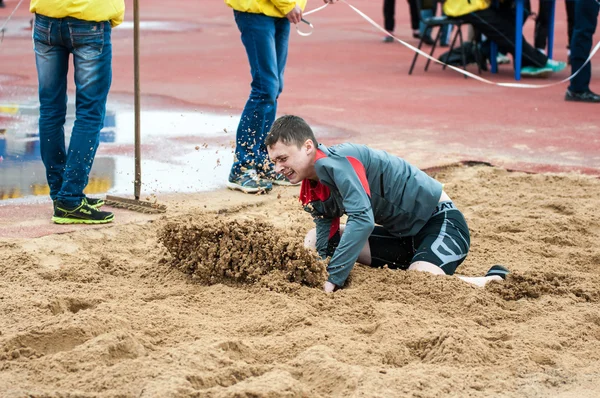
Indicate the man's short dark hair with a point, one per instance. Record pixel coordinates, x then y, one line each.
290 129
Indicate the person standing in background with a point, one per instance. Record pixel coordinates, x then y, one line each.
265 29
586 20
542 21
389 18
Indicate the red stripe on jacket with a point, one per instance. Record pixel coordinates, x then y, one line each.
359 169
311 191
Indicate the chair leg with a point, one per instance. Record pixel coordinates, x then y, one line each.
412 66
451 46
462 52
435 42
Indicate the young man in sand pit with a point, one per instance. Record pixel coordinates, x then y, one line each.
418 227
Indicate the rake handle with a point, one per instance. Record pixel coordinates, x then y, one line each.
136 77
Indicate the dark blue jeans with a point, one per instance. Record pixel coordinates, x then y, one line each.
586 20
54 41
266 42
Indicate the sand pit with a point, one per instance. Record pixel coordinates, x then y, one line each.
135 311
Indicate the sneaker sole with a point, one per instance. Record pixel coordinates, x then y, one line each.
540 75
575 99
237 187
64 220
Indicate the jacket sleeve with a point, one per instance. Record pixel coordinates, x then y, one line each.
340 173
284 6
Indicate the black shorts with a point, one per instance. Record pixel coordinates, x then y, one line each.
444 241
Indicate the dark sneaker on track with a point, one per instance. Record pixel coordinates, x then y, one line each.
586 96
82 214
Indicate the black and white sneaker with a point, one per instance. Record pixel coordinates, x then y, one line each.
586 96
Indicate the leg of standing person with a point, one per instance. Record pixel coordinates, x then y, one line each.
266 171
414 18
389 18
258 36
586 20
570 9
541 26
91 46
52 64
92 61
68 171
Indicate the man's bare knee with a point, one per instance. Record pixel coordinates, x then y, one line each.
310 240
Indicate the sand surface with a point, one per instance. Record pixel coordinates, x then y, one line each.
217 298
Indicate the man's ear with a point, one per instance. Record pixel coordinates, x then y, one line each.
309 145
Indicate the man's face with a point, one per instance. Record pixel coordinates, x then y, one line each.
296 164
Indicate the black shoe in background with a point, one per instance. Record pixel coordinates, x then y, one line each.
586 96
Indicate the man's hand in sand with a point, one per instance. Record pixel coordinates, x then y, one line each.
329 287
295 16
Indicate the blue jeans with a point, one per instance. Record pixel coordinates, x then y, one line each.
54 40
266 42
586 20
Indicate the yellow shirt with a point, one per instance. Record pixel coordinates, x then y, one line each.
271 8
458 8
87 10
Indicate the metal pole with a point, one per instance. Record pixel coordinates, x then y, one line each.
136 77
125 203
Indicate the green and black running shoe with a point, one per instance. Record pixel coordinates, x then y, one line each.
82 214
95 203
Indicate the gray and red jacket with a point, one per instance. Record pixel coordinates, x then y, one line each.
371 187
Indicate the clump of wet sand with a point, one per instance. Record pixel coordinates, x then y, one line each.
214 251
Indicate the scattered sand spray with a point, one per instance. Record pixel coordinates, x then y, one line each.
216 251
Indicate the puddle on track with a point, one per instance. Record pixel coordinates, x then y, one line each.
182 151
